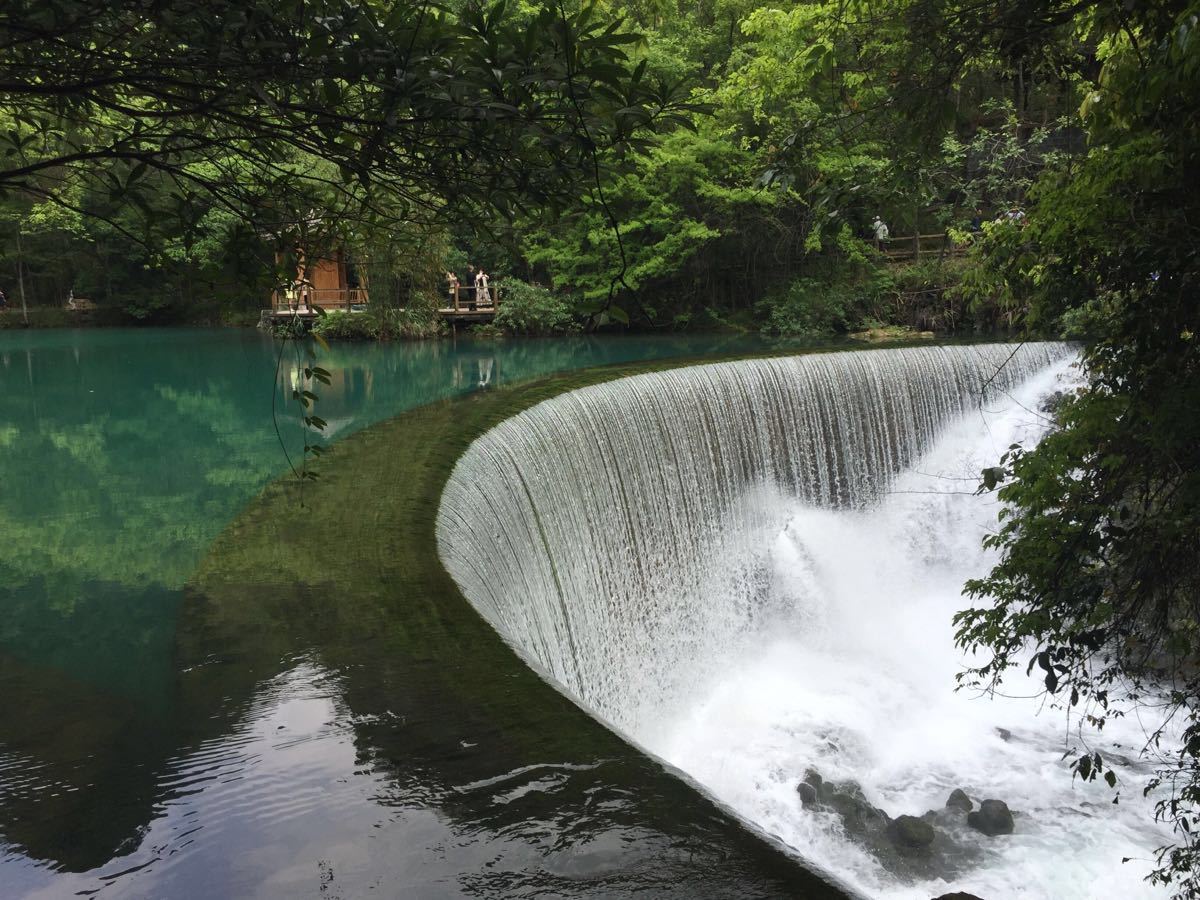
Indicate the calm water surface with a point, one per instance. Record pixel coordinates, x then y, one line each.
151 748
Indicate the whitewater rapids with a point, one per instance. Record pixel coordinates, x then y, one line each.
750 569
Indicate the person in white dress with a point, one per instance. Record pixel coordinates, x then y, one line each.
483 295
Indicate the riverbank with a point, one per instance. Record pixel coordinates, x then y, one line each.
896 302
11 318
345 330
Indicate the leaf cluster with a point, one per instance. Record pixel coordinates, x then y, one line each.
1098 583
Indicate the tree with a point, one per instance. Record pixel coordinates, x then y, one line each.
1098 585
415 102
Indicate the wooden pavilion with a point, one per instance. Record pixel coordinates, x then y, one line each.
324 282
328 283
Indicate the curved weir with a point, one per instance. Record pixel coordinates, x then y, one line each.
750 568
596 530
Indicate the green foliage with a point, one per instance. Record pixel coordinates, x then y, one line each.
193 91
347 326
667 208
995 169
808 307
548 122
930 295
533 309
925 275
306 377
1098 578
821 117
846 296
414 322
175 155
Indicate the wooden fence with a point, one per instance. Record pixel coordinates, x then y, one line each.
301 299
919 245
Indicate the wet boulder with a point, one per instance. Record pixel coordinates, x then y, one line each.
958 895
909 834
959 800
857 815
911 847
812 789
809 796
847 801
1053 404
992 818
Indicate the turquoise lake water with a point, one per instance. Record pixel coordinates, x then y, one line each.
125 454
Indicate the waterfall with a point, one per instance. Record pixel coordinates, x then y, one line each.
593 531
705 557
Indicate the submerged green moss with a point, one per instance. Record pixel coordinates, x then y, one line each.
345 570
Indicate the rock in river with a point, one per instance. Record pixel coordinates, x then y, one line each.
959 800
992 818
808 794
910 834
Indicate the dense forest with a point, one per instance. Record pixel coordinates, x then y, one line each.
714 164
751 206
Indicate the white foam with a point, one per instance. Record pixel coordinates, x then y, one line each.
859 685
750 569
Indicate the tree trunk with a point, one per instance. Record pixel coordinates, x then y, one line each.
917 234
108 291
21 278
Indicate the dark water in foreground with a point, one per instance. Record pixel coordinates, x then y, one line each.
394 754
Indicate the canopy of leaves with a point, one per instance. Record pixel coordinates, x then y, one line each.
413 105
1099 578
813 118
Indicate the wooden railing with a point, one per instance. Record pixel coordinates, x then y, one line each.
459 300
918 245
303 299
463 299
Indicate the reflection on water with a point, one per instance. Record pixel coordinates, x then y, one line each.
125 453
268 742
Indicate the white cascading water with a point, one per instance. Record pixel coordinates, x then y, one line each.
750 569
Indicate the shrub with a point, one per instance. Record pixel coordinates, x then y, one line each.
946 295
845 295
285 329
406 324
486 330
417 320
808 307
347 326
58 317
532 309
239 318
929 274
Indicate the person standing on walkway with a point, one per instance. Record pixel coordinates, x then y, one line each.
471 286
483 296
882 235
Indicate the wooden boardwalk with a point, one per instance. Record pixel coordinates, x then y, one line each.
919 246
480 314
461 305
307 305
